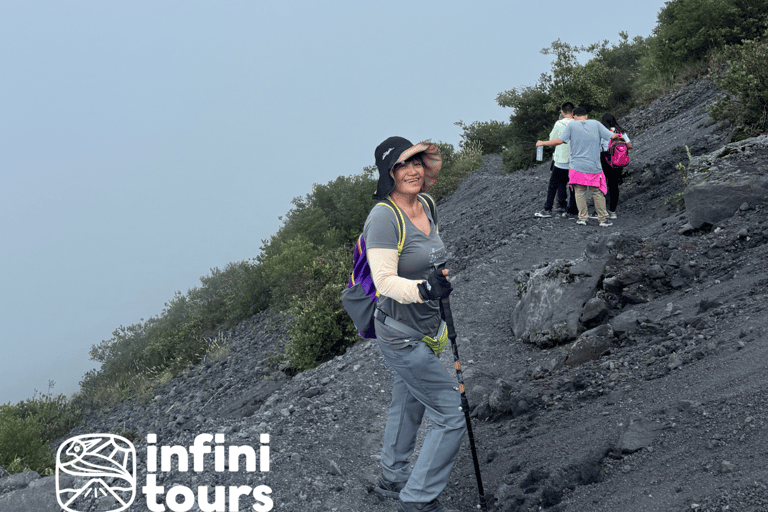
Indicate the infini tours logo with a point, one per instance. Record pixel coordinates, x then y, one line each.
102 468
106 463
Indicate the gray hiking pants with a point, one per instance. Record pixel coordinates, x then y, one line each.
421 384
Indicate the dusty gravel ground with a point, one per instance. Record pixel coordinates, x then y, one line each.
699 390
689 383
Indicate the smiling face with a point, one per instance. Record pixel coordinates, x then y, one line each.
409 176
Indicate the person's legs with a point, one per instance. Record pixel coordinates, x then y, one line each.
551 191
429 384
403 420
612 178
613 188
561 187
599 199
580 192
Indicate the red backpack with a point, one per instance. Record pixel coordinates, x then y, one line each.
618 152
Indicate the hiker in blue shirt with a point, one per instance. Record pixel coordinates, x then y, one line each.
410 283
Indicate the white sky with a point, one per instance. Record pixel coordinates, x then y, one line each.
143 143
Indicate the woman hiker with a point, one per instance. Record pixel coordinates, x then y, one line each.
612 174
410 286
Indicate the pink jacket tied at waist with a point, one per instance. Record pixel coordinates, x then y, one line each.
587 179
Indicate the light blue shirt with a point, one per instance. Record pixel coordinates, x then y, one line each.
584 139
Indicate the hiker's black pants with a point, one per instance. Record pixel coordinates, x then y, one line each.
612 179
558 182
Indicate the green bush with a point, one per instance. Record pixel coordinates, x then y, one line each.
746 79
584 85
21 442
55 413
489 136
532 120
688 30
27 429
321 329
143 355
624 62
329 217
456 167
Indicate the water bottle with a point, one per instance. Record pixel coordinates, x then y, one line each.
540 153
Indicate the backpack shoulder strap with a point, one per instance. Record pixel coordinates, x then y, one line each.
400 223
429 201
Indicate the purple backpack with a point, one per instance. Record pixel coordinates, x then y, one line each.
618 152
360 296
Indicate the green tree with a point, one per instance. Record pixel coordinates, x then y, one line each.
624 63
530 121
322 329
489 136
330 216
602 84
746 81
688 30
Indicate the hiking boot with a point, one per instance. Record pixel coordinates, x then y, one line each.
567 215
605 224
612 215
384 487
544 214
593 216
432 506
581 222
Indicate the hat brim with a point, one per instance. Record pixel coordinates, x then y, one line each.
430 158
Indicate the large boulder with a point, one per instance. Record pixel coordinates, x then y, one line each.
721 181
35 493
553 296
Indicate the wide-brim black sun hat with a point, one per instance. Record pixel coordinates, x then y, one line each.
395 150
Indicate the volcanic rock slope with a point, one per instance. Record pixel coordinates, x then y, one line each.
670 415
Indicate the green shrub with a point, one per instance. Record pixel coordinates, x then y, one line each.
21 442
456 167
688 30
489 136
746 80
143 355
624 62
27 429
321 329
285 268
330 216
532 120
55 414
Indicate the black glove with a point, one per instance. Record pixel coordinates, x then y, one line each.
436 286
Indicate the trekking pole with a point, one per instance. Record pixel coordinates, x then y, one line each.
445 312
